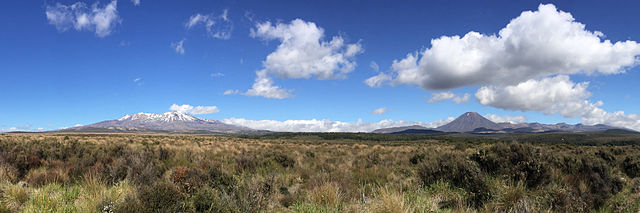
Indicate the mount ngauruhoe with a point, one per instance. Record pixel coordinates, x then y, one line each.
172 122
473 122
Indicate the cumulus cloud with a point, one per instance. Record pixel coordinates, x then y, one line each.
263 86
506 119
525 66
135 2
178 46
326 125
549 95
380 111
302 53
198 110
535 44
217 26
556 95
101 20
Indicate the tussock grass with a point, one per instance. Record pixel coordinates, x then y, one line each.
313 173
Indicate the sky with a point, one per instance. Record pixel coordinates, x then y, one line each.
319 65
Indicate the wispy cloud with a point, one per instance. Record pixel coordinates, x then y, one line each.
101 20
178 46
380 111
217 26
231 92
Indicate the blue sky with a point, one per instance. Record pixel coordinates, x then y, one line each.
58 71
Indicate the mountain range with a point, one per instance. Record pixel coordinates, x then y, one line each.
179 122
171 122
472 122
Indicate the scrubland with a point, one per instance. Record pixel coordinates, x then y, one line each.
312 173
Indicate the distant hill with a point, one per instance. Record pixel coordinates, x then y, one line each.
399 129
169 122
418 131
472 122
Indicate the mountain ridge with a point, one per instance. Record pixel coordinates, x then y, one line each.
172 122
472 122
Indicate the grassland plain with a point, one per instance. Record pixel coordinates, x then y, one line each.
329 172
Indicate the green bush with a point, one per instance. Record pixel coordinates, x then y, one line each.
207 199
631 166
162 196
515 161
459 171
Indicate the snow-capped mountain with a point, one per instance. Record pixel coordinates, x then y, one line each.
177 122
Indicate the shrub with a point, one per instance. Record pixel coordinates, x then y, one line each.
207 199
606 156
43 176
283 160
459 171
631 166
417 158
162 196
591 180
516 161
218 178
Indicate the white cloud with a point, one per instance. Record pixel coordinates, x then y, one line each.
377 80
135 2
198 110
326 125
102 21
302 53
263 86
597 115
525 66
26 127
380 111
535 44
217 26
136 80
178 47
231 92
463 99
507 119
549 95
374 66
440 96
556 95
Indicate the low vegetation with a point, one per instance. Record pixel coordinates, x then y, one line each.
317 173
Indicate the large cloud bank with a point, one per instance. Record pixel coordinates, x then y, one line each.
326 125
526 66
